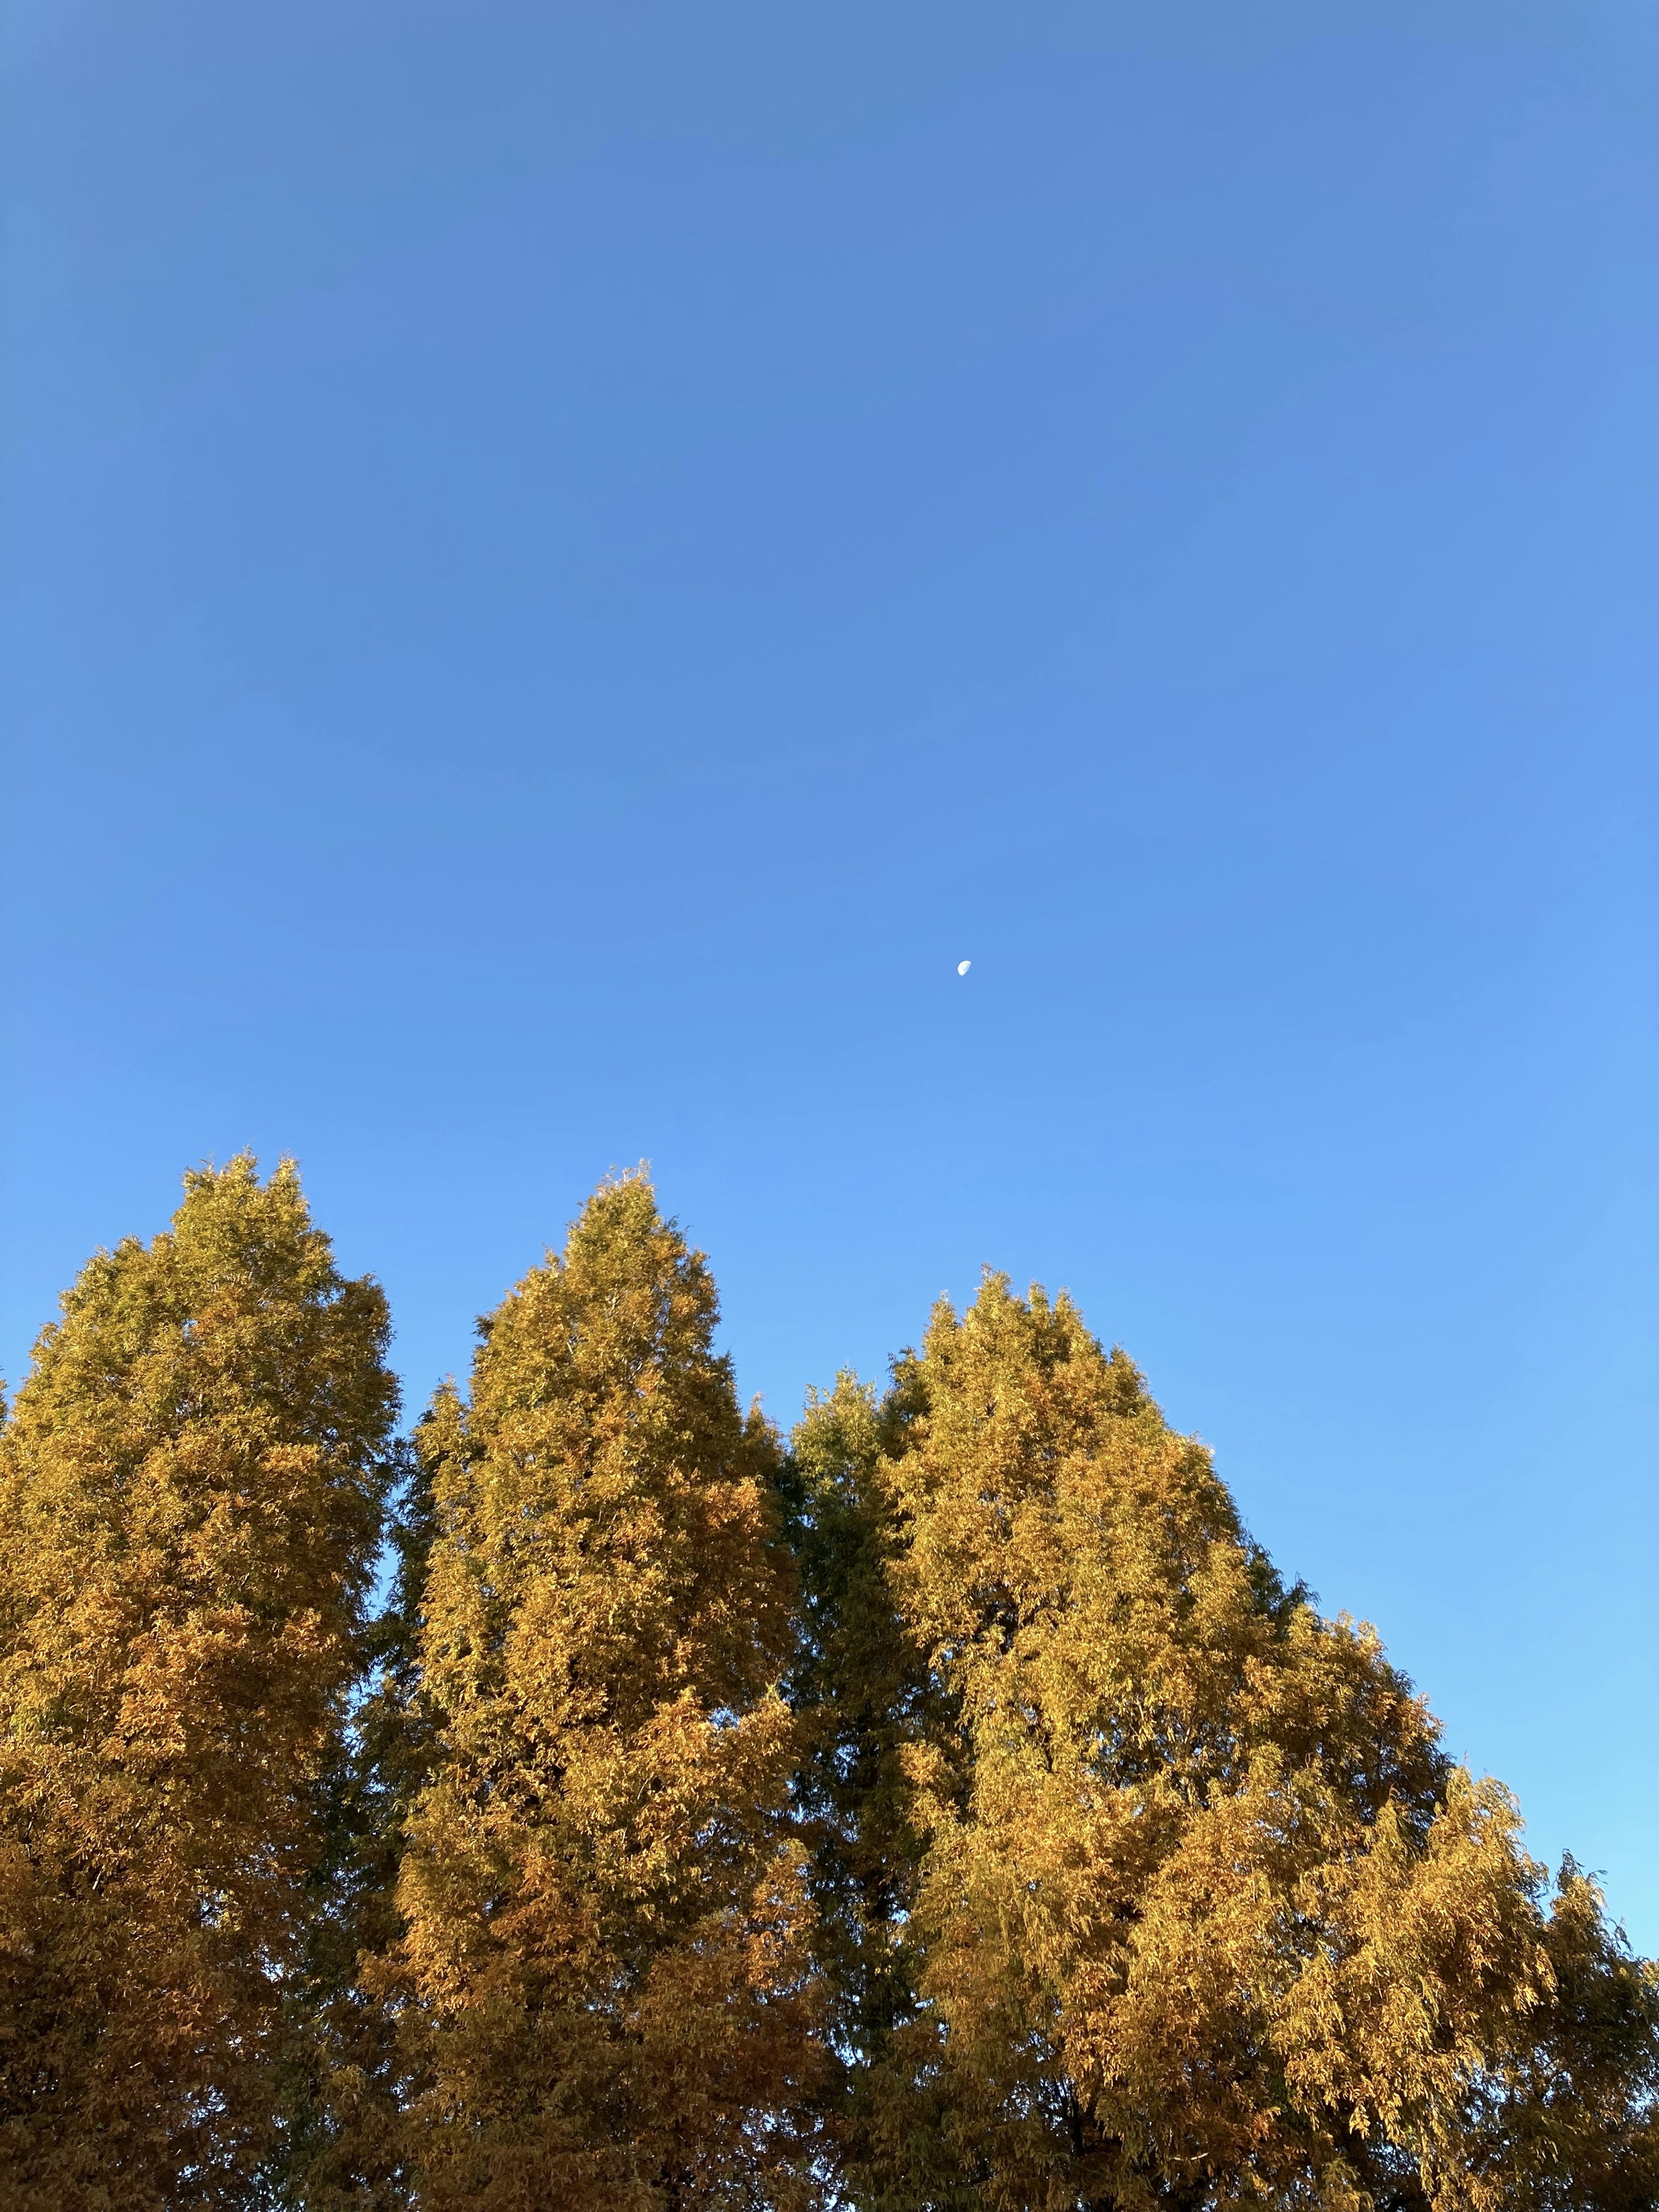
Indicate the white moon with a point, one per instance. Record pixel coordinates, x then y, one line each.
962 966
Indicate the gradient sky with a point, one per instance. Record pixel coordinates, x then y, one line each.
563 564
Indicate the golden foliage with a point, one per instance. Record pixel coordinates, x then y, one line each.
1206 1916
956 1810
188 1507
609 1996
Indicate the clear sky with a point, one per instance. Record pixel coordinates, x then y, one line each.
564 563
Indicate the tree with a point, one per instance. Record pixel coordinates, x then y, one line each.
862 1689
1204 1917
341 2145
607 1990
190 1501
1567 2120
956 1813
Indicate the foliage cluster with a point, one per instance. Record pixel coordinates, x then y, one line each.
948 1807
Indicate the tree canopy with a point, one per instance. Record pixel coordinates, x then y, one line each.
1205 1916
947 1805
191 1492
609 2000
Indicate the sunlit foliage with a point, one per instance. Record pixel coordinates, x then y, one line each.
1205 1917
190 1506
609 1996
952 1812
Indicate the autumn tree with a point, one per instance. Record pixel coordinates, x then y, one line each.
864 1696
606 1988
954 1813
1204 1917
190 1498
340 2143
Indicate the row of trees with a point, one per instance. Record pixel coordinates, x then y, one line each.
950 1808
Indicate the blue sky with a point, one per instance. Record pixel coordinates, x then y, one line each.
564 563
